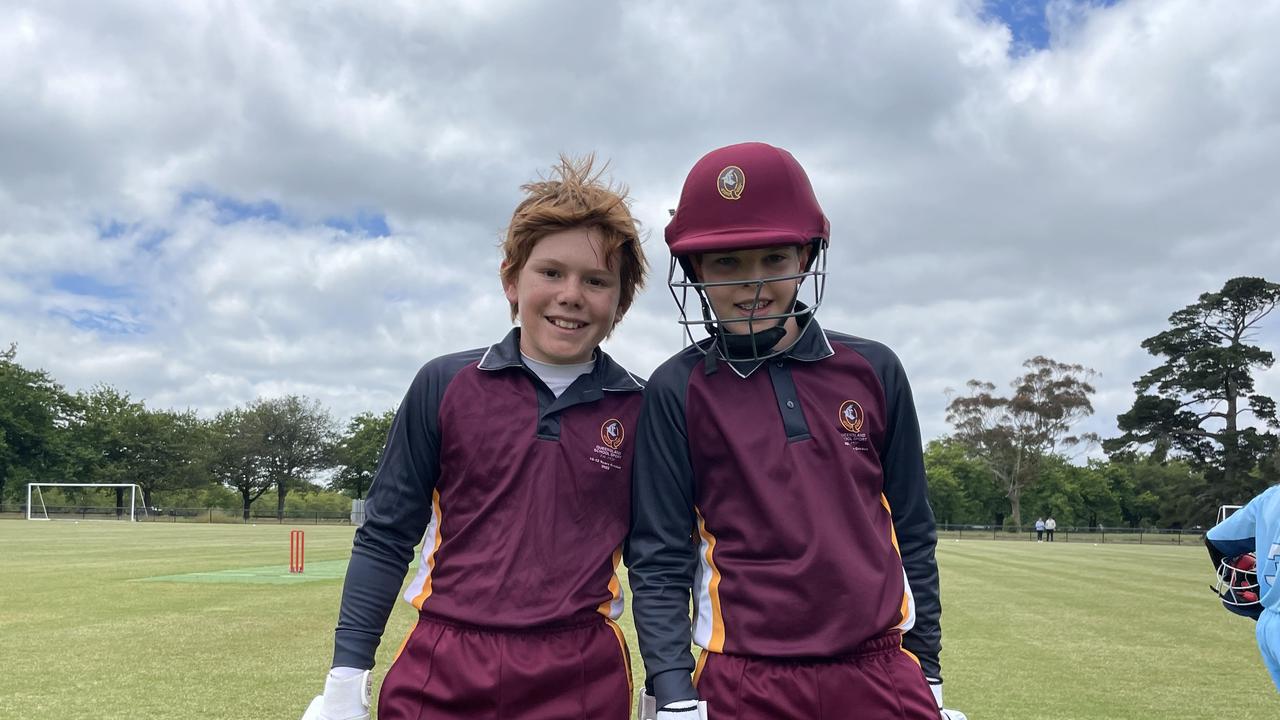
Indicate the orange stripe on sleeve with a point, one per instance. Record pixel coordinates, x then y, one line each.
893 533
716 643
903 610
615 588
905 607
435 547
697 669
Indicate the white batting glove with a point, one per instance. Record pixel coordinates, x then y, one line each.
936 687
646 706
346 696
683 710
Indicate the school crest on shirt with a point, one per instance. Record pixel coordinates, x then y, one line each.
731 182
608 454
612 433
852 418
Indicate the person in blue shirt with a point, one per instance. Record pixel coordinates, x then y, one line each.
1254 528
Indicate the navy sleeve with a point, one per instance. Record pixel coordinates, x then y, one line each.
397 510
907 490
660 551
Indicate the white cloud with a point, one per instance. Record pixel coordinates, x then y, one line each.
986 205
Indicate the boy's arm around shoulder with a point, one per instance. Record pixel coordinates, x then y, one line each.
659 550
907 491
397 509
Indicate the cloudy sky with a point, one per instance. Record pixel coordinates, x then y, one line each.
204 203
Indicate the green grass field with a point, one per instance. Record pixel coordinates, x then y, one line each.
196 622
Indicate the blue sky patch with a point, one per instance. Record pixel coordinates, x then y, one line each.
1028 21
362 223
111 229
146 239
230 210
87 285
106 323
151 241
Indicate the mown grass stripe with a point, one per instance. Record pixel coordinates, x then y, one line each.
95 625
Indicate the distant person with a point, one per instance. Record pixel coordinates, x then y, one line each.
1049 526
1244 549
779 482
1039 529
515 460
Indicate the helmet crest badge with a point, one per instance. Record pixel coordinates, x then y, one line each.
731 182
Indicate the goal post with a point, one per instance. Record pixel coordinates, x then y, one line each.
132 507
1225 511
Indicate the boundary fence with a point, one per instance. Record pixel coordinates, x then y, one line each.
205 515
1135 536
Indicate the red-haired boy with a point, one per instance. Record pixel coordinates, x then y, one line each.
513 463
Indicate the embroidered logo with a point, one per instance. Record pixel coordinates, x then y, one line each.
851 416
612 433
731 182
608 454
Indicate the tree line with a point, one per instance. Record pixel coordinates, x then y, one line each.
1197 436
104 436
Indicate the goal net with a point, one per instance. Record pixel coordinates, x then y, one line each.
85 501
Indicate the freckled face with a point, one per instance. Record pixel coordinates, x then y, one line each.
566 297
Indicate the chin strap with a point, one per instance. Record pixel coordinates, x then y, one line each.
747 347
743 347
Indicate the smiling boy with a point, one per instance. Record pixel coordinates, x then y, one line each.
779 480
512 464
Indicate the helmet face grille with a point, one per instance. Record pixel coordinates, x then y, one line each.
1237 584
758 343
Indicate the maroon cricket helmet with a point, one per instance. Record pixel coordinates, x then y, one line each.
746 196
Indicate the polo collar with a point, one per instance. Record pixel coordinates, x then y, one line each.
503 354
811 346
605 374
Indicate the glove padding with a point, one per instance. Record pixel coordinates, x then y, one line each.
646 706
935 686
683 710
346 697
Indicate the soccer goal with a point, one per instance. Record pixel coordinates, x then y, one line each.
1225 511
85 501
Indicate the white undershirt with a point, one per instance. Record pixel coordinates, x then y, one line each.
558 377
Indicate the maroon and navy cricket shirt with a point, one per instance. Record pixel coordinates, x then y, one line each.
521 499
789 496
